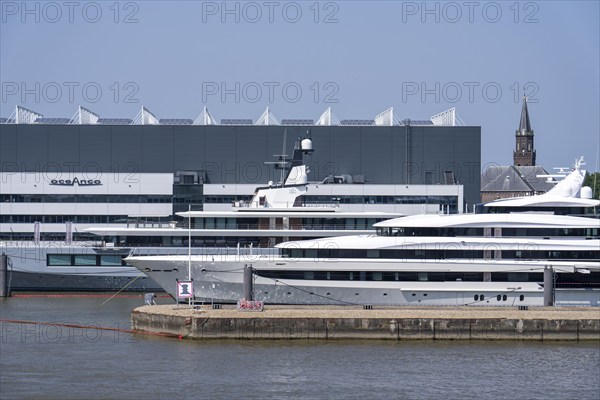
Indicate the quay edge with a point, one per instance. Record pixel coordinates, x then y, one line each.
431 323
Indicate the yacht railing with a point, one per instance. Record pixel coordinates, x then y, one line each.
206 251
291 227
148 224
289 205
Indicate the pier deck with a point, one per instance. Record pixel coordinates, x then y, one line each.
353 322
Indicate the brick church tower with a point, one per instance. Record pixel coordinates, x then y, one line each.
524 154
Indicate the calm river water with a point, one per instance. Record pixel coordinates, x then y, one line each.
55 362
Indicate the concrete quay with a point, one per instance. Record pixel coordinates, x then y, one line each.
386 323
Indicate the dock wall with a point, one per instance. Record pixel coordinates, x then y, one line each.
264 327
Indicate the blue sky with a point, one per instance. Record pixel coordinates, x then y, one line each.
299 58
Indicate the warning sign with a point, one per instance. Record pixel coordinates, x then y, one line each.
185 289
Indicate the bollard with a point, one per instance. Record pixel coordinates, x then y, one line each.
4 289
548 286
248 290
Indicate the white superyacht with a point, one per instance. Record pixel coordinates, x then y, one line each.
505 255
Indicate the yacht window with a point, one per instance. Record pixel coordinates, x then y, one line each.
472 277
422 276
59 259
110 260
84 259
517 277
328 275
504 297
481 297
377 276
396 276
521 297
351 274
397 231
476 297
499 297
310 253
296 253
309 275
372 253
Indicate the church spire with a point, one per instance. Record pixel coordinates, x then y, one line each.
524 154
524 125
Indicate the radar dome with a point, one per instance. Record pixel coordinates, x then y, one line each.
586 192
306 144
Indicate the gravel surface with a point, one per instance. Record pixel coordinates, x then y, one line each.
328 312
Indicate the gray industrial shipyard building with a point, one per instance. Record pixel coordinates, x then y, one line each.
406 154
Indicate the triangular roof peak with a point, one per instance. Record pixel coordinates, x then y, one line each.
524 124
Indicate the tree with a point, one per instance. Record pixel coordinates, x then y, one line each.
593 180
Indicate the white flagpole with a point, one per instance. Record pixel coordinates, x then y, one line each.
190 248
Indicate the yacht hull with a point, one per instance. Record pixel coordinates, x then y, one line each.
29 270
222 281
37 281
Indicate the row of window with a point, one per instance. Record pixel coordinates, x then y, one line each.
477 297
563 280
349 199
358 199
59 219
46 236
168 241
226 199
566 280
84 260
83 198
500 297
505 232
557 210
402 276
294 223
450 253
217 199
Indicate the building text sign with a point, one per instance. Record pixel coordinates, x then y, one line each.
74 181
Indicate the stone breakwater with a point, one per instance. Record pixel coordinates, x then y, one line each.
390 323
